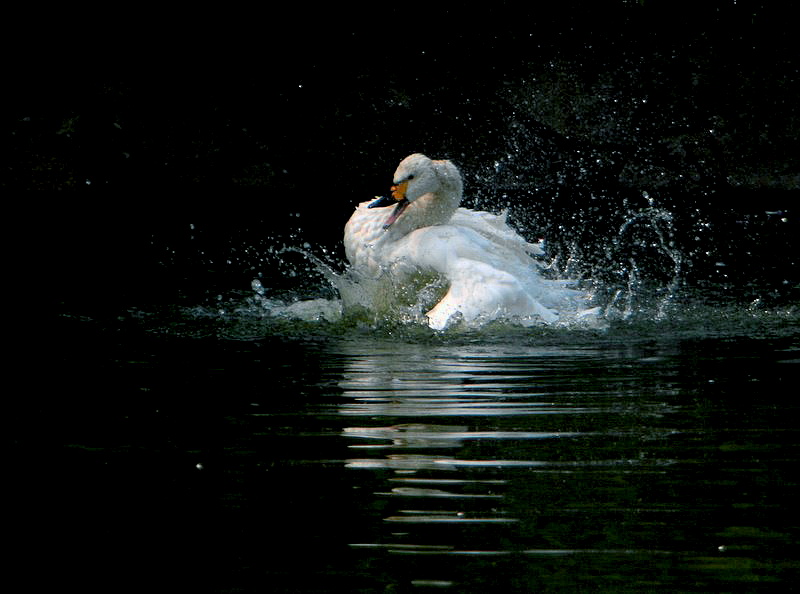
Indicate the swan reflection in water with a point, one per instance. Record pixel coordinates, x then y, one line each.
416 422
440 402
423 413
494 438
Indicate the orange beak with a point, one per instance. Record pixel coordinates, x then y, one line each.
399 191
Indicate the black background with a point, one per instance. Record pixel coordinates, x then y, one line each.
143 147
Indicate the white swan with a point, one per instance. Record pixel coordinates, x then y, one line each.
488 267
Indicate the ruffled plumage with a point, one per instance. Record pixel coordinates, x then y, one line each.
489 268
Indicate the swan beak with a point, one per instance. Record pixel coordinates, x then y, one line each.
381 201
399 191
399 194
398 210
398 198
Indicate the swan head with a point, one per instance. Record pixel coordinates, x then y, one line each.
419 176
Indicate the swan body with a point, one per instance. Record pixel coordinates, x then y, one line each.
488 267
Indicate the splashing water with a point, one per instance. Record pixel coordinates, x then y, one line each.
645 282
634 274
651 272
361 300
303 309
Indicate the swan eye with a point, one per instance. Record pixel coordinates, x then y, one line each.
406 179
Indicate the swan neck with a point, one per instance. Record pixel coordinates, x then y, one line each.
434 208
442 203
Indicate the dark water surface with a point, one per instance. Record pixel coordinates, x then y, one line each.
194 457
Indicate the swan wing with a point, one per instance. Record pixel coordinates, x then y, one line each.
479 291
486 279
364 232
494 227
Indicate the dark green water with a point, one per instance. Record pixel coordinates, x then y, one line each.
187 452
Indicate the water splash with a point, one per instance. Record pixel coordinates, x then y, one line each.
638 283
650 265
360 300
643 279
390 301
306 309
